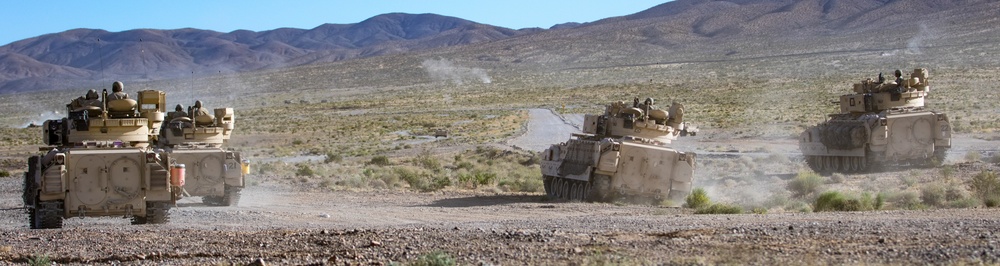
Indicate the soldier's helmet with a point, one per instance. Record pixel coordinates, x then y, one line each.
92 95
898 73
179 108
117 86
197 104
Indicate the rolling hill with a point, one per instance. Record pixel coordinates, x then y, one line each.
674 32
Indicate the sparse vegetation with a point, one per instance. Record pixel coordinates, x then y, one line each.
720 208
435 258
39 260
697 199
986 187
805 183
835 201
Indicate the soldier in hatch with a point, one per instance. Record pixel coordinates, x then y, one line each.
177 113
117 93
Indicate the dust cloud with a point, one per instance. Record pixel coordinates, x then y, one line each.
446 71
914 44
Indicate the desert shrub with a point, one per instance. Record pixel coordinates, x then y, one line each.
835 201
435 258
933 195
426 160
332 157
907 200
697 199
477 178
532 159
522 185
464 165
421 180
837 178
304 170
986 186
380 160
39 260
720 208
947 171
972 156
4 173
804 184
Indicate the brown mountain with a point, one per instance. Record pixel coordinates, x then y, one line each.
674 32
85 55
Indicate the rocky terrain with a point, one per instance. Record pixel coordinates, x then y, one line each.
280 227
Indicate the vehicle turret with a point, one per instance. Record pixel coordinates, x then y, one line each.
639 121
108 122
880 95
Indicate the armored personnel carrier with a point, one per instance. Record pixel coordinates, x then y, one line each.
196 139
99 162
881 123
622 154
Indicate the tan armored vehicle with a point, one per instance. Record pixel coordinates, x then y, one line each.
100 162
622 153
881 123
196 139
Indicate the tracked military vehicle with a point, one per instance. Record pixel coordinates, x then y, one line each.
622 154
99 162
196 139
881 123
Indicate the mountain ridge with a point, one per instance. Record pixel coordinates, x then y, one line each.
681 30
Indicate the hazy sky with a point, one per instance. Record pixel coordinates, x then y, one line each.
23 19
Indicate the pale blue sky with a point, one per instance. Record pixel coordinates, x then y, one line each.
23 19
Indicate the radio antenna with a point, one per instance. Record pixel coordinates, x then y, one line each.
100 55
142 52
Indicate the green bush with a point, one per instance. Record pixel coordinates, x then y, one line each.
835 201
332 157
422 181
477 178
436 258
804 184
973 156
304 170
908 200
522 185
4 173
380 160
720 208
697 199
831 201
933 195
986 187
39 260
427 161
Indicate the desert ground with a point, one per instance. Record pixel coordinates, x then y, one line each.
281 223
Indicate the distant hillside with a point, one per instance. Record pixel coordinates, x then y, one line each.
85 55
675 32
704 30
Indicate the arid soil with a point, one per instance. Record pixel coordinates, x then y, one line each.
282 226
279 224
